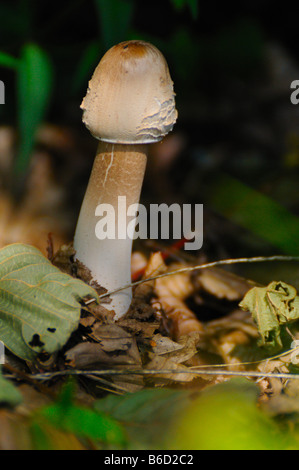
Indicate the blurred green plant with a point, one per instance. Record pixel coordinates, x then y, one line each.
70 417
146 415
226 417
9 394
115 18
191 4
256 212
35 67
34 86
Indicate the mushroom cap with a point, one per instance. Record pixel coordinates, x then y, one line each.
130 97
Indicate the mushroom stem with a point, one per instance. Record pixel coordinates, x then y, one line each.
118 171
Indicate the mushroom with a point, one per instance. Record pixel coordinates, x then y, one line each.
129 104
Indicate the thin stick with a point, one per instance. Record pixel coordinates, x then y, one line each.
256 259
50 375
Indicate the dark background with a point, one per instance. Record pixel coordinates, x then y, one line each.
232 67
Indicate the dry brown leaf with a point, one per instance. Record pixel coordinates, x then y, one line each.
64 259
32 399
61 440
164 345
41 210
7 150
144 329
164 363
286 402
155 266
170 292
226 335
138 263
111 337
222 284
114 346
88 321
15 433
189 350
271 385
92 356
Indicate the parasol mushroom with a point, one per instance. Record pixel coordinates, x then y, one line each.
129 104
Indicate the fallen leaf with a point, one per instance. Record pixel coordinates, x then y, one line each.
9 394
222 284
39 305
171 292
165 345
271 307
160 363
111 337
15 433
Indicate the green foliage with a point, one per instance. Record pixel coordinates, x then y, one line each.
115 18
39 305
226 417
7 60
146 415
191 4
84 422
88 61
8 393
34 87
35 68
271 307
238 48
255 212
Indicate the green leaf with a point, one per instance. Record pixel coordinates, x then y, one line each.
86 65
255 212
9 394
271 307
226 417
146 415
39 305
82 421
192 4
115 18
9 61
34 86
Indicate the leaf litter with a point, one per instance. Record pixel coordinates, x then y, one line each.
161 341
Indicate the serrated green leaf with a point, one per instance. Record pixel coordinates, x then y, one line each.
39 305
271 307
9 394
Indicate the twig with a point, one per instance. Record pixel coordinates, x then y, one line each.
256 259
50 375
